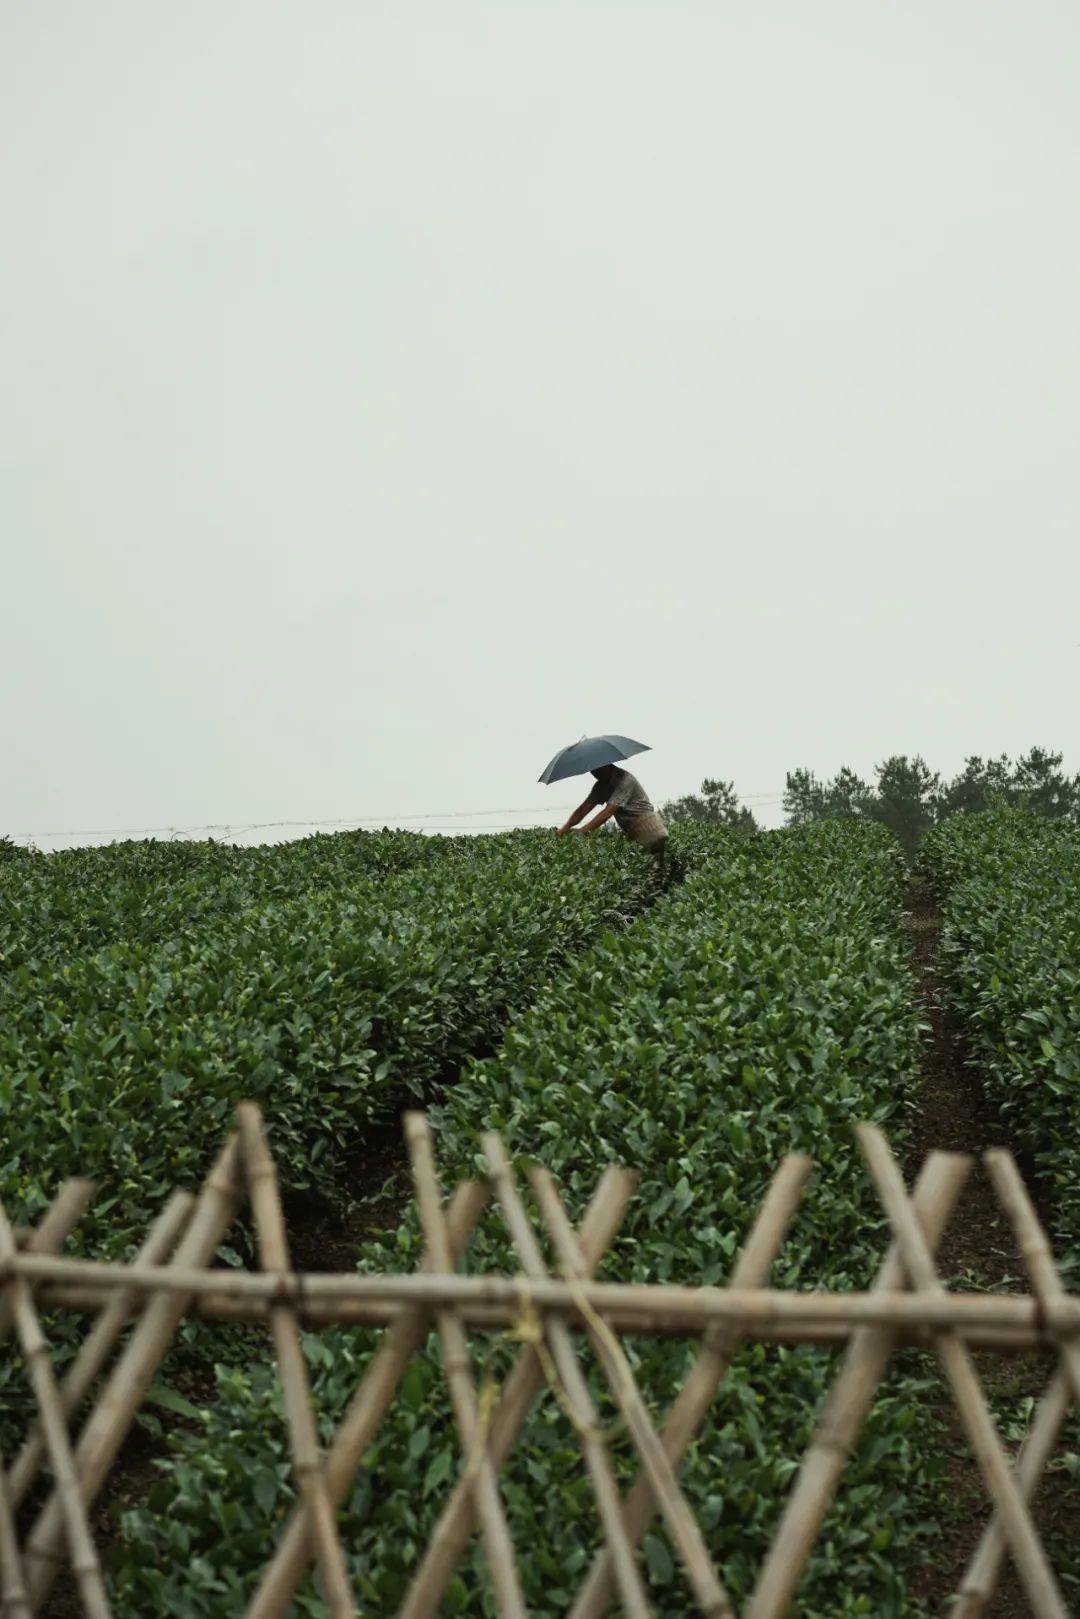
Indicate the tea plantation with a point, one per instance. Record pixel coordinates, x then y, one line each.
1011 949
762 1005
146 989
556 990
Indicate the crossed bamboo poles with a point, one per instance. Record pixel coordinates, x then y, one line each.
547 1315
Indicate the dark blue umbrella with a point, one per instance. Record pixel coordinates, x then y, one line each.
589 754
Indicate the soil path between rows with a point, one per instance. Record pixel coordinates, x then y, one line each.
978 1250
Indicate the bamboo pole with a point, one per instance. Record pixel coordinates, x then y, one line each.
683 1527
133 1373
980 1580
696 1395
688 1310
14 1593
96 1347
748 1308
850 1398
52 1232
35 1349
679 1317
575 1388
57 1224
457 1359
362 1418
1035 1249
1027 1549
307 1463
457 1522
60 1218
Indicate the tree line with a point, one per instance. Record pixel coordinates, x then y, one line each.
905 795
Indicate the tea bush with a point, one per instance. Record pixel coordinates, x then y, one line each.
1011 950
766 1005
145 989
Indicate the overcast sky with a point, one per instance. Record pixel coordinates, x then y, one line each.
393 392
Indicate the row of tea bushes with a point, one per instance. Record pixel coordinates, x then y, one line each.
765 1005
1011 951
123 1052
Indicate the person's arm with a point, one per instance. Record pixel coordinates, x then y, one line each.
578 815
598 819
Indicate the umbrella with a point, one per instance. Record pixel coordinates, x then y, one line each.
589 754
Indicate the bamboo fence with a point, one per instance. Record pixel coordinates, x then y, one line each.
553 1311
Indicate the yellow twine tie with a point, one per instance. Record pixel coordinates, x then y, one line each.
528 1329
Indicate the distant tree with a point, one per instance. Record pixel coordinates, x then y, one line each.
905 798
1036 782
908 797
847 795
1040 785
981 783
717 803
806 798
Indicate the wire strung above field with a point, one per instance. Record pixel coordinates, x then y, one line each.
480 820
241 825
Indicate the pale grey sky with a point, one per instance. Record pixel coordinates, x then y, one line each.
395 391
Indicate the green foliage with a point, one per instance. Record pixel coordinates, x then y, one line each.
1036 782
11 851
980 785
145 989
1040 785
1011 947
716 805
909 798
81 900
808 799
903 799
1011 950
763 1006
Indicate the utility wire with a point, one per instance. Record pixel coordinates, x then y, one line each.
483 819
263 826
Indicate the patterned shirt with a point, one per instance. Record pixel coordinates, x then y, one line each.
634 810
